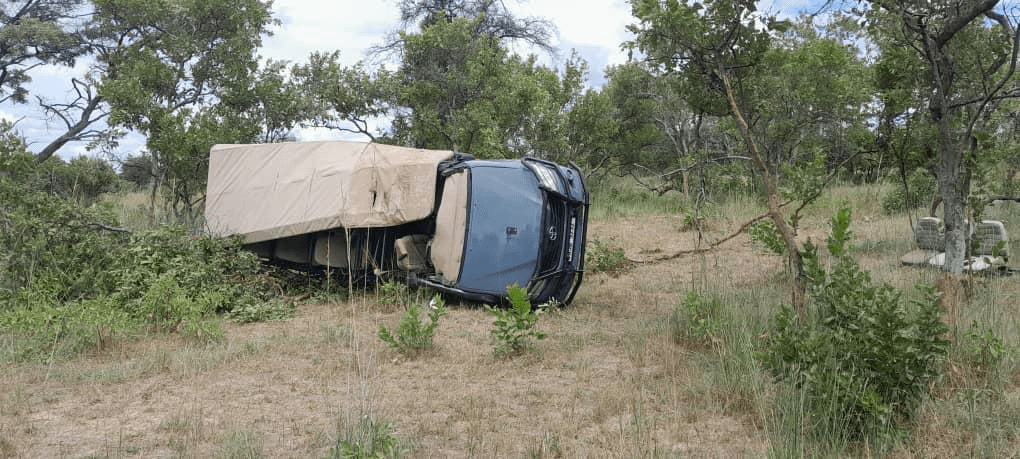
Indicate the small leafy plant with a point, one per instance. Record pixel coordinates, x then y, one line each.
515 325
863 360
369 439
603 258
413 335
393 292
692 221
981 351
695 321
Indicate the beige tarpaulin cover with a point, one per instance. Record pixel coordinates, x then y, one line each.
271 191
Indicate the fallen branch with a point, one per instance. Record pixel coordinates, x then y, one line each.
110 228
711 246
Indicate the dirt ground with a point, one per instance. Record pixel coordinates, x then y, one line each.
607 382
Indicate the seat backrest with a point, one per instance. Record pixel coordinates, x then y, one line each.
991 238
447 252
929 235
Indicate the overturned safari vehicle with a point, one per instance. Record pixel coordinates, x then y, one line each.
466 227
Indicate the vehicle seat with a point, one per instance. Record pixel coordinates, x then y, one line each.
447 252
992 239
929 235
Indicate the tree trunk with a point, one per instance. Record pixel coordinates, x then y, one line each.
686 186
799 291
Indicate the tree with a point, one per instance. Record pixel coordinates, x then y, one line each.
492 19
178 73
711 50
345 99
791 96
659 130
590 132
968 55
35 33
270 102
137 169
466 92
50 32
79 117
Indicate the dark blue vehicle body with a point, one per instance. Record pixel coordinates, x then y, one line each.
526 225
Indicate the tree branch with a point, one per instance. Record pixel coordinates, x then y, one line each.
88 104
711 246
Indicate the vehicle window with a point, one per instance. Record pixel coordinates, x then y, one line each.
451 227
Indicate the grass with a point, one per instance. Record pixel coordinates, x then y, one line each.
243 444
611 379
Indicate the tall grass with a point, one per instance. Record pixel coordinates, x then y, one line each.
657 359
975 401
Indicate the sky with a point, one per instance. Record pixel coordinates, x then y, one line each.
595 28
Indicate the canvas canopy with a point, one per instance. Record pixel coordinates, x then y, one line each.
272 191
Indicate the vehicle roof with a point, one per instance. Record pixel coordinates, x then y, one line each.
271 191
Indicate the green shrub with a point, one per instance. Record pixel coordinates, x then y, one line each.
863 361
70 278
168 278
921 187
261 311
695 321
602 258
515 325
48 330
68 281
392 292
981 351
413 335
51 241
168 306
692 221
368 439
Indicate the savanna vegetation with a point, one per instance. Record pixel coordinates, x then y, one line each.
754 179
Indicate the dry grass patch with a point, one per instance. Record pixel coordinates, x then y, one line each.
604 382
610 380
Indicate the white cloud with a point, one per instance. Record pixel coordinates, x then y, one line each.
587 25
353 27
324 26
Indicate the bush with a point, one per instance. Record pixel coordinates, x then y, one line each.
695 321
515 325
69 278
602 258
49 241
413 335
368 439
862 360
981 352
393 293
